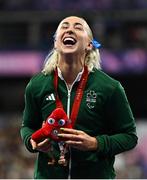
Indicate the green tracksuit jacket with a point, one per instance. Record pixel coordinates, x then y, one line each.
104 113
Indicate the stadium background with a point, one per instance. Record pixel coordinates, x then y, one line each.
26 36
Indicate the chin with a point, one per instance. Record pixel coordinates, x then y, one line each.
70 50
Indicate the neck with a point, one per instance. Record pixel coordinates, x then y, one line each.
70 68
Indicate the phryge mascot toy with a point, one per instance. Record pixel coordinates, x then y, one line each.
50 129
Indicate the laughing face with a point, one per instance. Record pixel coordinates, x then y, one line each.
72 36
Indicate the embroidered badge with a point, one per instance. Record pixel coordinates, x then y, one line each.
91 99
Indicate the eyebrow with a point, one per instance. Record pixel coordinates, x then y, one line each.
78 24
65 23
75 24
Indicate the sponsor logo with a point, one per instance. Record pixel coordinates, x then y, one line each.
50 97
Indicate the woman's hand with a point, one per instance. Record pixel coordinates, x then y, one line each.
78 139
43 146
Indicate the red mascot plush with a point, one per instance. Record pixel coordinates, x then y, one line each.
51 128
54 122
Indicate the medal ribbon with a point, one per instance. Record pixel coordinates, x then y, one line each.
78 96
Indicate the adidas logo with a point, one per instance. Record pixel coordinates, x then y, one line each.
50 97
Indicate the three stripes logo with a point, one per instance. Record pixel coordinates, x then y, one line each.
50 97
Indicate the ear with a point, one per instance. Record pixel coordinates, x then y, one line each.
54 36
55 44
89 47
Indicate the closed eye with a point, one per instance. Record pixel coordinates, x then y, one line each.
78 26
65 25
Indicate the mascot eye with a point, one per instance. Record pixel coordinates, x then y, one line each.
61 122
51 121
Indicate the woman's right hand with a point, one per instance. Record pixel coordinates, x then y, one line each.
43 146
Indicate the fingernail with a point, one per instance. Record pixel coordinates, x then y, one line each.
59 135
62 129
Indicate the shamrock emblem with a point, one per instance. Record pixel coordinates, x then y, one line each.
91 99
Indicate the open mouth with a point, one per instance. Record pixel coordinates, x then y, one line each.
69 41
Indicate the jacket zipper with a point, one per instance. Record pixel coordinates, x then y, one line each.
68 102
69 89
68 114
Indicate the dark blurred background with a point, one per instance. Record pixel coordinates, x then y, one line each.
26 36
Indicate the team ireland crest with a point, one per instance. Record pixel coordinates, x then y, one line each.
91 99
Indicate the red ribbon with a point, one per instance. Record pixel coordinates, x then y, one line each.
78 96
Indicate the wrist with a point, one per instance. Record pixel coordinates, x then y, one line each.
94 144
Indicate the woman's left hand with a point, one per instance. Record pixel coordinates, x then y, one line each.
78 139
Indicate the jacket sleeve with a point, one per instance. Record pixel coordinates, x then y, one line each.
121 134
31 117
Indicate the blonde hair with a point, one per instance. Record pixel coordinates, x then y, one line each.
92 58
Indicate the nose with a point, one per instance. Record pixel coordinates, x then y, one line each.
69 31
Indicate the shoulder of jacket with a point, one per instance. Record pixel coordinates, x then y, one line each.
38 80
101 75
